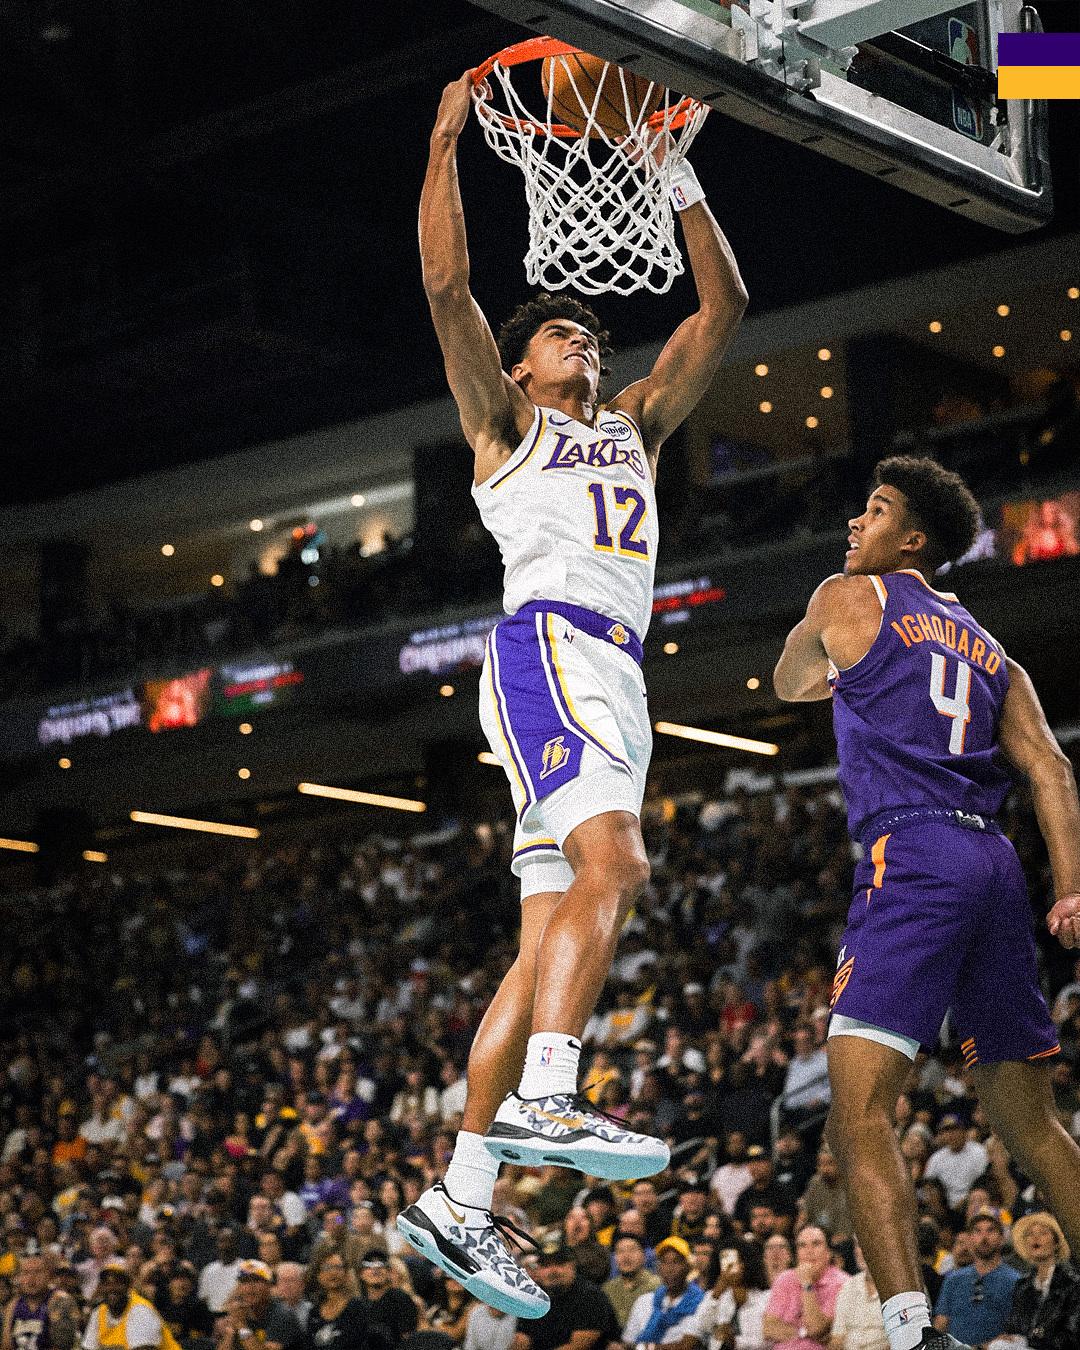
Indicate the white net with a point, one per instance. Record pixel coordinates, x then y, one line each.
600 214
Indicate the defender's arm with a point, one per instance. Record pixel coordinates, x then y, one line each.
801 674
1028 743
690 359
841 622
489 403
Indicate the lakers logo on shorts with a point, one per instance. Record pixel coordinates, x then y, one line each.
840 980
555 756
618 634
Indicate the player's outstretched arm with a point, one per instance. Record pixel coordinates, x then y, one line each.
491 406
691 357
1028 743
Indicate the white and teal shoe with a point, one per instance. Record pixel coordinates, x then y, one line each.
469 1244
568 1131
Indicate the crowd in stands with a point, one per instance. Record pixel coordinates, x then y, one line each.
221 1084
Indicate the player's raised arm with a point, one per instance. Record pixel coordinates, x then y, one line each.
491 406
1029 744
692 355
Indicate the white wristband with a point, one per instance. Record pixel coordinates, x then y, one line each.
686 191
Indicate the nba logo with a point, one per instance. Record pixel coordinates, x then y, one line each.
545 1055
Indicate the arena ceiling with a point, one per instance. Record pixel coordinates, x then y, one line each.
207 223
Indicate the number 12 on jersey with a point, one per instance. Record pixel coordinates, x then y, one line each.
626 499
956 707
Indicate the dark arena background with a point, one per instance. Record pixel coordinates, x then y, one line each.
254 880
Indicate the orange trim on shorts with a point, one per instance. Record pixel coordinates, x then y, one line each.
1045 1054
840 980
967 1049
877 857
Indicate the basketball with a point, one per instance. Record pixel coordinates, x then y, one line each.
572 82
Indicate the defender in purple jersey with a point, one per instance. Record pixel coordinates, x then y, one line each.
930 717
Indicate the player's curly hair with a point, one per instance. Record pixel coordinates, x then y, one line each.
939 503
527 319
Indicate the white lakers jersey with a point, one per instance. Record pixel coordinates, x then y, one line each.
573 511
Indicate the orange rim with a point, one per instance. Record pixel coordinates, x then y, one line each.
539 49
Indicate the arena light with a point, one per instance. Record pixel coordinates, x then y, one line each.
243 773
935 325
811 422
761 369
753 682
357 499
826 391
1073 292
486 757
167 550
20 845
1065 335
765 406
217 579
446 690
824 354
1003 311
670 648
255 525
201 826
63 762
717 738
93 855
998 351
361 798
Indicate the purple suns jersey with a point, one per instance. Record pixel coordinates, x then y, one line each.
916 719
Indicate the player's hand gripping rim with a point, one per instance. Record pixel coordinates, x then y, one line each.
454 107
1064 920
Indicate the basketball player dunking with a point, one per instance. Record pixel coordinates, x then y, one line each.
926 706
565 485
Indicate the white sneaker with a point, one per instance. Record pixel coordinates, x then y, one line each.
568 1131
468 1243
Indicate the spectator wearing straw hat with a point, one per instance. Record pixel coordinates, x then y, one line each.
1045 1312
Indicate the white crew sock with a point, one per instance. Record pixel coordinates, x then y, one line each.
906 1316
470 1176
551 1065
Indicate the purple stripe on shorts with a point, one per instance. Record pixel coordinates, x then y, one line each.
506 731
549 752
556 685
596 625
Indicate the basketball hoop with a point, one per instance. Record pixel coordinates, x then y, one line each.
600 214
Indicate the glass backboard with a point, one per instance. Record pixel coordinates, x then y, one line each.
904 90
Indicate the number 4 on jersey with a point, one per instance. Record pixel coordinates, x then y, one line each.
955 707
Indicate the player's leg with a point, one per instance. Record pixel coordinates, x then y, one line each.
1009 1037
498 1049
451 1223
866 1078
1019 1100
907 932
577 946
594 817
